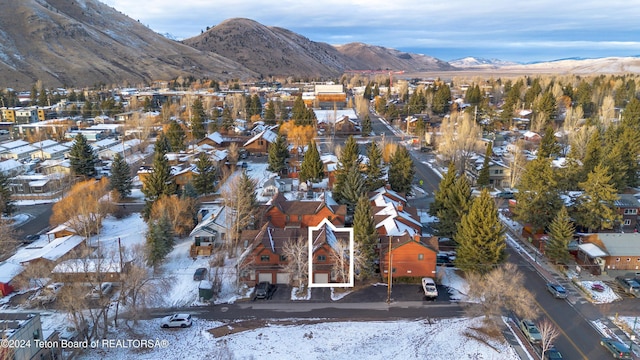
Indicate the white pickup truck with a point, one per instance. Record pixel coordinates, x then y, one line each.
429 287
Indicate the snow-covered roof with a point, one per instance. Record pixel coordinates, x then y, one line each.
88 265
14 144
10 165
53 250
592 250
216 138
268 135
8 271
44 144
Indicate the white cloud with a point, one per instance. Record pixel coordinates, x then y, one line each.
407 23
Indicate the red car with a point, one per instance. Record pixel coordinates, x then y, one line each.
597 287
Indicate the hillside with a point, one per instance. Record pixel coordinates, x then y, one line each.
275 51
84 42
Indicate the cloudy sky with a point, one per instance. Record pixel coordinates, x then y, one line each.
513 30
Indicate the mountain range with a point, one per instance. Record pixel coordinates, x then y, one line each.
85 42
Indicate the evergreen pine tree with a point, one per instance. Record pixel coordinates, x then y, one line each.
366 125
366 238
537 198
162 145
176 136
593 155
374 175
42 97
121 180
159 241
483 176
270 113
401 171
548 145
158 182
278 154
227 119
480 237
353 188
312 167
204 180
444 188
456 205
349 158
6 203
198 129
595 208
560 234
83 158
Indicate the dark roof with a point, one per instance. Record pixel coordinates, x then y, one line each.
627 201
274 238
300 207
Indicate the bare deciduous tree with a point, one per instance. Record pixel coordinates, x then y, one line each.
340 259
297 254
240 210
233 154
84 207
517 163
459 139
8 239
500 290
181 212
549 333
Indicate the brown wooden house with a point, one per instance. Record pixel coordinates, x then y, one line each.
331 255
264 259
410 256
627 207
259 144
283 213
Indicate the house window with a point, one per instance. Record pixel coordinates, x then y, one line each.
627 222
299 217
283 257
628 259
617 259
264 258
287 217
420 256
321 258
630 211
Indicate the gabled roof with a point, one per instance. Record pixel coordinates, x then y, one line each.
389 194
303 207
620 244
8 271
216 138
52 251
396 221
326 235
268 135
273 238
214 217
626 201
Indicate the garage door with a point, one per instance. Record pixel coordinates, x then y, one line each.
265 277
320 278
282 278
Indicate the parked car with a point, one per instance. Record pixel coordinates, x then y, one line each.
200 274
264 290
530 331
176 320
553 354
616 348
429 288
557 290
48 294
629 285
98 291
506 195
444 260
597 287
30 238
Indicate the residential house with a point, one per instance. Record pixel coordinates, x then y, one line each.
331 255
499 173
12 167
396 220
408 256
48 253
24 328
8 272
610 252
19 153
210 232
346 126
283 213
51 153
215 140
38 186
259 144
627 207
531 136
91 270
264 258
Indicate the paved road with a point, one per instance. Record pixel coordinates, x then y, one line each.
578 339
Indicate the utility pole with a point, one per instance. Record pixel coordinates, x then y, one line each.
389 270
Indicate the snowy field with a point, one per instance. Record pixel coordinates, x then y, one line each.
417 339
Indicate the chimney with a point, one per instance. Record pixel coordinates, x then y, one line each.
417 237
387 186
400 207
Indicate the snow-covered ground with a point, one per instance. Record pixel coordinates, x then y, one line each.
410 339
607 295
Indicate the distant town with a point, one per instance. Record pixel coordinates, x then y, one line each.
505 207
